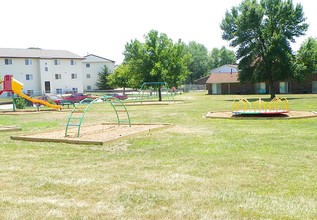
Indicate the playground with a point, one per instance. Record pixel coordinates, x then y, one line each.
150 93
225 169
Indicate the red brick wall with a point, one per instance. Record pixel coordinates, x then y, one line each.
249 88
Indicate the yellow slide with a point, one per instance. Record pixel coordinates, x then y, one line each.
17 89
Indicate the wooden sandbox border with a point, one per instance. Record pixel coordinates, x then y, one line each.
27 137
4 128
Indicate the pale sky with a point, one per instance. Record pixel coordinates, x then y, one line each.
103 27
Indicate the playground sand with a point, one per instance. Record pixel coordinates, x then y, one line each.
92 134
289 115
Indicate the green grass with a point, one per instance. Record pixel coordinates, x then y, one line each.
198 169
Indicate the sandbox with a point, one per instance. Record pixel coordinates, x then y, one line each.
97 134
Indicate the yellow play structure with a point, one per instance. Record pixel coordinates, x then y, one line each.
14 86
274 107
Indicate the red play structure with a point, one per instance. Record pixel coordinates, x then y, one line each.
15 87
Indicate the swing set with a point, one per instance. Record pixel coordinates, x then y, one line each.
150 90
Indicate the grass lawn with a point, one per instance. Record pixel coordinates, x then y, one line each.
198 169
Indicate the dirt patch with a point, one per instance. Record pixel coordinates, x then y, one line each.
92 134
289 115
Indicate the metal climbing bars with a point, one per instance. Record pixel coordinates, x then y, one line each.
77 114
156 85
275 106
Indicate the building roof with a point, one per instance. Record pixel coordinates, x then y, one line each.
89 55
225 68
233 65
37 53
223 78
202 80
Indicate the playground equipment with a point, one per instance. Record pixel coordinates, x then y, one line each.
15 87
275 107
77 115
163 86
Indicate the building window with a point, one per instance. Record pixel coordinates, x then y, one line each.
87 65
46 68
314 86
216 88
30 92
72 62
8 61
29 77
260 88
89 87
28 62
88 76
74 75
75 90
58 76
59 91
283 87
57 62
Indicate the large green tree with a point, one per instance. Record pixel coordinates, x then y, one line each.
262 32
218 57
306 59
158 59
198 67
122 77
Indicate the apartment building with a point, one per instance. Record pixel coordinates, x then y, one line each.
92 65
51 71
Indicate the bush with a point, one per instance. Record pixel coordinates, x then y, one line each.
20 102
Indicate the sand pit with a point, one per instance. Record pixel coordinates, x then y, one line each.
93 134
289 115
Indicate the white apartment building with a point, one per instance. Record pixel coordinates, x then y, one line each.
51 71
92 65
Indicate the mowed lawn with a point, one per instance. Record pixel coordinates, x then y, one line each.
198 169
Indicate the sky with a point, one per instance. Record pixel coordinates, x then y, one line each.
102 27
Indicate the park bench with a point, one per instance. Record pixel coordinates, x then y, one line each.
66 102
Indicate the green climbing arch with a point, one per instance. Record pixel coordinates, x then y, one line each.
77 114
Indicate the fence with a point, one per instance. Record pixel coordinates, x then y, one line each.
192 87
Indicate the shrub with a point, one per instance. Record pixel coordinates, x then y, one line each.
20 102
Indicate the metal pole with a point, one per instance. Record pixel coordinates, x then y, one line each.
13 103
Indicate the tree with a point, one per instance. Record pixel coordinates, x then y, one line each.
219 57
306 59
102 82
262 33
198 67
121 77
158 59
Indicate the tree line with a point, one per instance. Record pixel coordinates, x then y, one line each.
159 59
260 32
